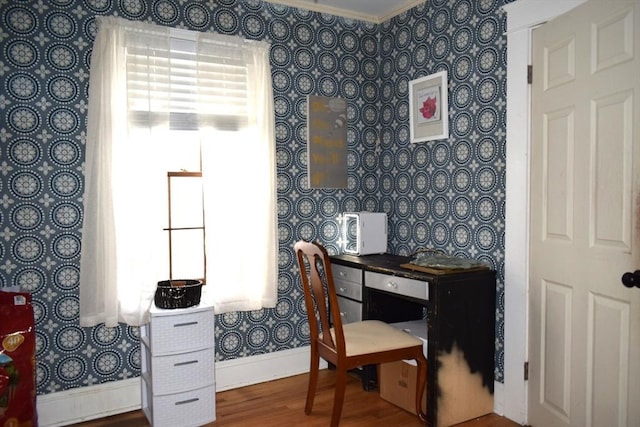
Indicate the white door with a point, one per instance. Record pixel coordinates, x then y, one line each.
584 325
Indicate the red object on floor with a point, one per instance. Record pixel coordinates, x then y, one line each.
17 361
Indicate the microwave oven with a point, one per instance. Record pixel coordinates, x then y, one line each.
364 233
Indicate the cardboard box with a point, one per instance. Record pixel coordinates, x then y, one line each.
397 380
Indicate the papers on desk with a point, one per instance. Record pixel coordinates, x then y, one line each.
436 262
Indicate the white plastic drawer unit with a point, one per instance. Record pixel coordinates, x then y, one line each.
178 366
182 372
181 333
397 285
348 281
190 408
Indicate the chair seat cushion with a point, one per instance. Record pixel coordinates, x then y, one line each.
371 336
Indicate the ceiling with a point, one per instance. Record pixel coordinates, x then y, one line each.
376 11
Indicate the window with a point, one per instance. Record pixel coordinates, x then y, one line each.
160 98
185 226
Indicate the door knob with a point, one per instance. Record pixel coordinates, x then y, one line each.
631 279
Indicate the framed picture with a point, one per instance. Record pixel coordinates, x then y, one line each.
428 107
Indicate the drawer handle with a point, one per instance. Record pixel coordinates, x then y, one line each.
342 273
177 325
341 289
190 362
184 402
392 285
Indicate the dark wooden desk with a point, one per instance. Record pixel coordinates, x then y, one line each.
459 309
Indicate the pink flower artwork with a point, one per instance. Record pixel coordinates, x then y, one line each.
428 108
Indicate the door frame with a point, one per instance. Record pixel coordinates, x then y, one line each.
522 17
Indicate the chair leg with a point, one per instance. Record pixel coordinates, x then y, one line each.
421 383
313 379
338 397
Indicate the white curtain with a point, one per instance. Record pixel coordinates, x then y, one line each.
240 222
123 245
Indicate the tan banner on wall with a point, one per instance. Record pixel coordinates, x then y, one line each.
327 142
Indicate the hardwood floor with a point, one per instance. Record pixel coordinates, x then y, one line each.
281 403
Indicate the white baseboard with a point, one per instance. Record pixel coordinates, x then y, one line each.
245 371
498 398
87 403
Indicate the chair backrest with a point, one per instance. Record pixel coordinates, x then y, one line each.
320 297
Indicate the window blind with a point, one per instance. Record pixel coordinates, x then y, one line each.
186 87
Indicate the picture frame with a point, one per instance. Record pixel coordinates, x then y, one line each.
429 108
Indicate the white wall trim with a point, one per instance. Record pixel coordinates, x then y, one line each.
103 400
86 403
322 7
522 17
245 371
498 398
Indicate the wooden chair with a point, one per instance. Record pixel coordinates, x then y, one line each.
348 346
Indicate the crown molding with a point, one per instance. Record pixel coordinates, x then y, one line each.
322 8
408 5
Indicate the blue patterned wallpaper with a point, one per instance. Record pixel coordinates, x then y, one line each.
447 194
444 194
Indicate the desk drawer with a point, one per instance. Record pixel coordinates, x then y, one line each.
350 274
350 311
397 285
349 289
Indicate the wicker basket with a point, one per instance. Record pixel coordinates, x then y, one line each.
178 293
